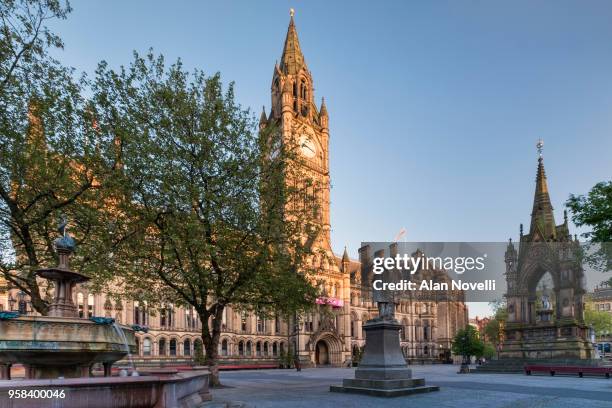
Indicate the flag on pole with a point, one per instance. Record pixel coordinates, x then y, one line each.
400 234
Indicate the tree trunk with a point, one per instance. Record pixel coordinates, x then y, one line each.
210 339
37 301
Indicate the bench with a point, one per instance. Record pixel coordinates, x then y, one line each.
581 371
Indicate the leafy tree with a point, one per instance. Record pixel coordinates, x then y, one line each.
494 330
488 351
467 343
595 211
198 357
53 157
599 320
218 212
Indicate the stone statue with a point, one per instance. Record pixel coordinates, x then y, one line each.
545 302
386 299
65 242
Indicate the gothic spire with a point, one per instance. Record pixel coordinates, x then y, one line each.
293 59
345 256
542 217
323 110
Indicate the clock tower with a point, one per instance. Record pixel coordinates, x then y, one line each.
321 339
302 123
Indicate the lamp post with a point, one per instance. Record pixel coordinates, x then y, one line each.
298 365
22 305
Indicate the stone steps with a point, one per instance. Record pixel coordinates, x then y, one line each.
385 392
516 365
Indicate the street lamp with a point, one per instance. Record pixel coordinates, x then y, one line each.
298 365
22 303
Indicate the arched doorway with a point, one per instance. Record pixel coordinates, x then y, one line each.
322 353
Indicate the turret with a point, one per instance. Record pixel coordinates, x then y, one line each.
323 116
263 119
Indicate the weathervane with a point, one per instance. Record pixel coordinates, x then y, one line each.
540 146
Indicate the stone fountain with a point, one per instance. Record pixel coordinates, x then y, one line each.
58 352
62 344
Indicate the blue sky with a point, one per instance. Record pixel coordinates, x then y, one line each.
435 106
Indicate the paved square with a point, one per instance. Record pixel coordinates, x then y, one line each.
310 388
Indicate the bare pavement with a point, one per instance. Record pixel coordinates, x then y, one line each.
310 388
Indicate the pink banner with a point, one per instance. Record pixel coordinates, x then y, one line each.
333 302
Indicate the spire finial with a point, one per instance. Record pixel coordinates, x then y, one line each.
540 147
291 12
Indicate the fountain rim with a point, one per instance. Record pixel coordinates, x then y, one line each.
64 274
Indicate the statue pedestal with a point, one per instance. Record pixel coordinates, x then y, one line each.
382 370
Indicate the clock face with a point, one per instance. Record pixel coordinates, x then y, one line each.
308 147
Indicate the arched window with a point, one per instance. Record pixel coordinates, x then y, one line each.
187 347
90 305
173 347
146 346
243 321
282 347
426 350
266 350
162 318
260 325
277 325
137 346
241 348
304 90
248 349
275 349
258 349
162 347
224 347
224 319
80 305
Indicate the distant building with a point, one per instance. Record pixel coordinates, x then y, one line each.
601 299
480 325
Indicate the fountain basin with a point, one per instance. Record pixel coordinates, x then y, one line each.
181 390
52 347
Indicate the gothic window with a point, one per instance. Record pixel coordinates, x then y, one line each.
241 348
146 347
162 318
266 349
187 347
90 305
224 348
243 321
282 347
261 325
274 349
248 348
189 319
80 301
162 347
173 347
277 325
258 349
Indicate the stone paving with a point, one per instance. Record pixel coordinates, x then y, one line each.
310 388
